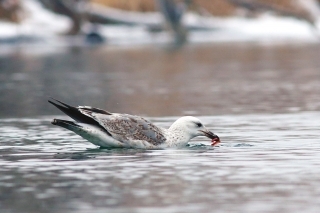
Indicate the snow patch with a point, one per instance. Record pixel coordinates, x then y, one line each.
36 21
39 22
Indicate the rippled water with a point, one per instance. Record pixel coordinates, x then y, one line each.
262 100
266 163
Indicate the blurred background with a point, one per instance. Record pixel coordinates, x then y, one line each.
248 68
161 57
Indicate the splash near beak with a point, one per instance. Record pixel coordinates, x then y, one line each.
215 141
215 138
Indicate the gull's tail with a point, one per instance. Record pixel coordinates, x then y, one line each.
76 114
72 112
66 124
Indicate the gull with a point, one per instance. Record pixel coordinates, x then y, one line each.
114 130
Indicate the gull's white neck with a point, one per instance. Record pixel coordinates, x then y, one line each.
177 136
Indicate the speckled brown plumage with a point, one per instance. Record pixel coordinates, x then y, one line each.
124 127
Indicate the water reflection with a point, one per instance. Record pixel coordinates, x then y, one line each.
203 80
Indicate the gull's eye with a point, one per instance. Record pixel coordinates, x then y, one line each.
199 124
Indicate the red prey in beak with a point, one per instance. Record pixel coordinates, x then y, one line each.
215 139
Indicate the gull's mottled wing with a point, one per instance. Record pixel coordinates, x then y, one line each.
128 128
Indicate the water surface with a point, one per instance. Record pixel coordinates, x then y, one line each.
263 101
198 79
266 163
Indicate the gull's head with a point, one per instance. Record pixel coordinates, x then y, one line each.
193 127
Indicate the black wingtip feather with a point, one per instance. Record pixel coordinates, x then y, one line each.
60 102
72 112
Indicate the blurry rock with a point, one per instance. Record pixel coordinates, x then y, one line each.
94 36
9 10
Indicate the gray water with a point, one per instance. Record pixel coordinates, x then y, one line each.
263 102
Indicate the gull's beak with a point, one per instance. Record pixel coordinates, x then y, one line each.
215 139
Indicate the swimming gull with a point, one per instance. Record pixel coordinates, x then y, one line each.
114 130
